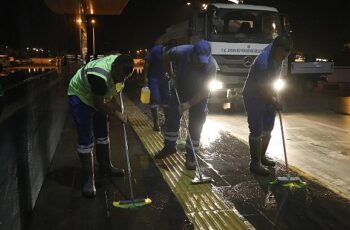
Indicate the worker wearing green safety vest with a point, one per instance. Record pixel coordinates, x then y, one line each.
92 92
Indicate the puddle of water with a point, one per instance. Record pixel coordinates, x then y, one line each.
210 132
270 201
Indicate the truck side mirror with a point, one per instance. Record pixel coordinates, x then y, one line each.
285 23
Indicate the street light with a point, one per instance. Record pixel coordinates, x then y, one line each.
41 55
79 22
93 36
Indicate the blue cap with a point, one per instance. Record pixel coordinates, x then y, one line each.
203 50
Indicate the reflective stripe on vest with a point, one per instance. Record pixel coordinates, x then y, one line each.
95 70
80 86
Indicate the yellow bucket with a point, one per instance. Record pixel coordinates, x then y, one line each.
145 95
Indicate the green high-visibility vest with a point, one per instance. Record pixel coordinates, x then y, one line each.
80 86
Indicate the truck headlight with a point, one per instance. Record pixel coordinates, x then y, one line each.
215 85
279 84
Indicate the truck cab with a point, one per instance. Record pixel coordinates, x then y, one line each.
237 34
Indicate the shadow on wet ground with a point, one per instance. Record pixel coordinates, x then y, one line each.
61 205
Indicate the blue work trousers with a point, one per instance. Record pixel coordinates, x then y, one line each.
90 123
159 87
261 116
197 117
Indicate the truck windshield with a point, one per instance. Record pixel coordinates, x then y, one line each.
232 25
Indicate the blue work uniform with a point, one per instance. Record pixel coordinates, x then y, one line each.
190 80
158 83
261 115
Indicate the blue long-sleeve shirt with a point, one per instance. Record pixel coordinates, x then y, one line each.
155 60
190 78
263 72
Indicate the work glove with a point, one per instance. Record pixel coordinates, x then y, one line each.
122 117
172 83
166 75
183 107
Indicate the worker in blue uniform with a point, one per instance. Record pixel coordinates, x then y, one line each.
261 102
158 81
93 92
195 68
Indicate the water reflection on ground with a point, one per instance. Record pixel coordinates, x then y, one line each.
21 70
14 82
344 105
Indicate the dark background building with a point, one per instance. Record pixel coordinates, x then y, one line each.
319 28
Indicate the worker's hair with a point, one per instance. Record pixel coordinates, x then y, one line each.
122 65
284 41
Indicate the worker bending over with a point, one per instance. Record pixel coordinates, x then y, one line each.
92 96
261 102
195 68
158 81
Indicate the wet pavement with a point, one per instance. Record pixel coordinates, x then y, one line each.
317 137
268 206
224 156
60 204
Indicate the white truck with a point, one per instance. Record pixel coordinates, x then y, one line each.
307 74
237 34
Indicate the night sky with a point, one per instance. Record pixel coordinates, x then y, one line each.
319 27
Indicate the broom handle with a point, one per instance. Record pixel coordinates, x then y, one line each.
190 138
126 149
283 141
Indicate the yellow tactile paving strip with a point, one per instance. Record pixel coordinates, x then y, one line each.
202 206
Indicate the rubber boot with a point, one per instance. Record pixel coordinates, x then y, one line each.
255 160
190 162
154 112
166 151
105 165
265 144
87 164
